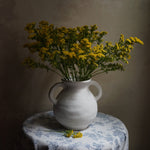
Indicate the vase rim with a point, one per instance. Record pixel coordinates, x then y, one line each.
82 81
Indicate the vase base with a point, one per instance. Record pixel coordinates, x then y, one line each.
76 128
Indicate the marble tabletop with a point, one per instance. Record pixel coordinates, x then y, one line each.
105 133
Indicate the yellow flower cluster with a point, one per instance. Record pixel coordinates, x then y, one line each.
67 53
78 135
85 44
134 40
71 133
77 53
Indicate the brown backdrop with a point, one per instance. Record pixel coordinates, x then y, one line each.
23 92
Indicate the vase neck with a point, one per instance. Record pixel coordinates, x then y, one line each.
77 84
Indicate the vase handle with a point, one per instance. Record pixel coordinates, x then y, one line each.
99 95
51 92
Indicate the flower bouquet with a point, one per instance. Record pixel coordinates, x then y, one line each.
76 54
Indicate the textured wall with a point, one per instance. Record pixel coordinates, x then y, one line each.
23 92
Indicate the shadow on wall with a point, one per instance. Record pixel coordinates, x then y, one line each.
15 81
11 78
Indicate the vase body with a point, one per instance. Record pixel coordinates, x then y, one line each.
75 107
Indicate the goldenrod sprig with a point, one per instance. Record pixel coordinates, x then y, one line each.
73 134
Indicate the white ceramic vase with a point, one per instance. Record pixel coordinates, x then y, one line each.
75 107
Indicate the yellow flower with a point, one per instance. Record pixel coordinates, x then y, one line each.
62 41
63 57
117 46
74 29
129 57
94 37
79 29
64 29
53 54
85 27
122 37
61 35
129 50
93 55
43 22
72 49
100 55
30 26
132 39
45 28
80 51
104 51
125 60
130 47
31 36
51 27
98 49
78 135
76 45
69 133
122 47
129 41
44 49
139 41
88 45
77 33
103 33
95 64
31 31
76 48
48 53
101 46
56 52
83 57
94 27
85 42
71 54
95 48
96 32
50 41
109 44
70 30
65 52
